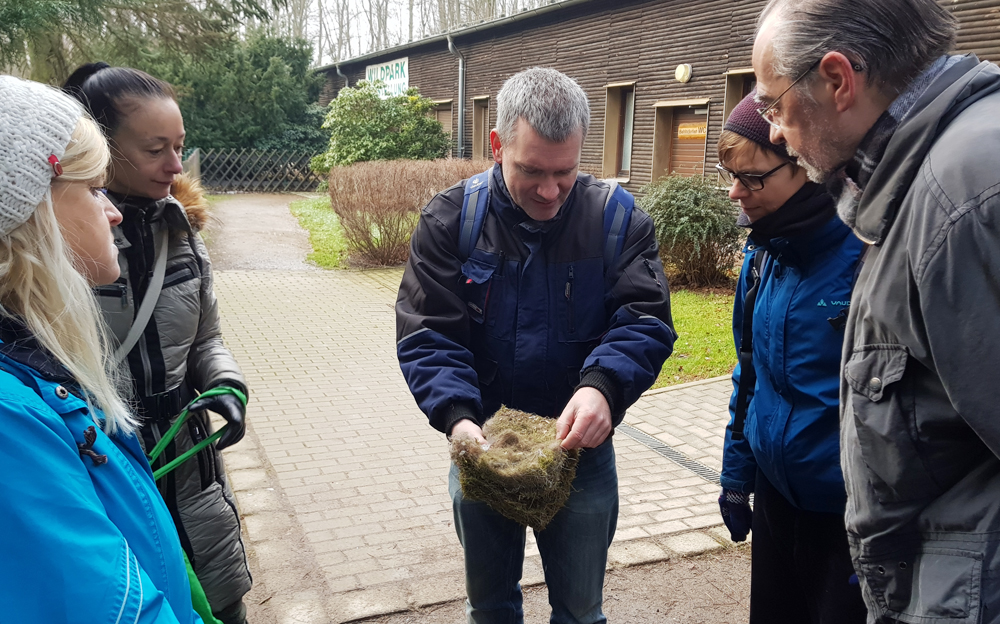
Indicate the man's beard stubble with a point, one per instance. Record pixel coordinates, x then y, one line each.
817 175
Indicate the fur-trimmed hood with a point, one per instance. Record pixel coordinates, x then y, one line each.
189 193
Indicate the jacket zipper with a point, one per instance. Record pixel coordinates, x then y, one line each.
652 273
114 290
569 301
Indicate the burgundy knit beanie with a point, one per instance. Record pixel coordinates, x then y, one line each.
746 122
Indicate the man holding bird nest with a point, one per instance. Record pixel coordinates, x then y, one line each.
539 288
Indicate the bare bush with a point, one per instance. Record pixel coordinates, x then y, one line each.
378 203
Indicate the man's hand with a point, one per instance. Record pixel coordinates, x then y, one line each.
466 427
586 420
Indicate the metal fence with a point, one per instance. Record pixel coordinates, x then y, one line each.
255 171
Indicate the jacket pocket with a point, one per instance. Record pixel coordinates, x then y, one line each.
930 586
486 291
179 273
882 398
578 288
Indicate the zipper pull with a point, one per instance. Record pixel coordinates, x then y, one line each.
652 273
502 264
569 284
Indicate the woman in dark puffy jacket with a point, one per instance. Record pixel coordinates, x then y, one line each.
789 453
179 353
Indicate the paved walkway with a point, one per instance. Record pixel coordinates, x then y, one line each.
342 484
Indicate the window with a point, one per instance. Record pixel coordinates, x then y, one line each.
481 127
618 124
680 138
739 84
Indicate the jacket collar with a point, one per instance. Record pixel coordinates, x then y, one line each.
20 345
965 83
168 210
514 215
36 368
800 250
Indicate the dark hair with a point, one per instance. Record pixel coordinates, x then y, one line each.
103 89
894 40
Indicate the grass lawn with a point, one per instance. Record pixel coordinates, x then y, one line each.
704 348
325 234
703 320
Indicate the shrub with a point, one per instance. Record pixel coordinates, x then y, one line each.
378 203
365 127
695 228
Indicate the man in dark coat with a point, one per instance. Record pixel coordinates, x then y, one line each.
908 140
537 317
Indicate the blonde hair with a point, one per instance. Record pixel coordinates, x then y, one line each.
40 287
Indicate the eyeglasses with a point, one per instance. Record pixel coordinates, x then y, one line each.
752 181
773 116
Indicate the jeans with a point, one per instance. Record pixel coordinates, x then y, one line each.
574 548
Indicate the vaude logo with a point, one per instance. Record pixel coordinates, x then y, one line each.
476 182
822 303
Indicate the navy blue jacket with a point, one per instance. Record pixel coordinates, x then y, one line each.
530 315
792 426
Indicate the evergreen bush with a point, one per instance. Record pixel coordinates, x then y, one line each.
695 228
365 127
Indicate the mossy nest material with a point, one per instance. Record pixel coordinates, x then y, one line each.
523 474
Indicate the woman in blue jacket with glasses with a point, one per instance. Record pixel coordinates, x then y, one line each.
782 443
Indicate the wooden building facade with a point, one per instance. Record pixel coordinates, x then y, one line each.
632 58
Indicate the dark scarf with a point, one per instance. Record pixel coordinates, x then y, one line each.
809 209
20 345
848 183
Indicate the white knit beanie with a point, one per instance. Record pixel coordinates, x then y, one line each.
36 122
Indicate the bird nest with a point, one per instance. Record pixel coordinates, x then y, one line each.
522 472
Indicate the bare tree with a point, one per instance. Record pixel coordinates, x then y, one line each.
353 27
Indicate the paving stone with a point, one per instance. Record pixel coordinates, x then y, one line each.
247 479
691 544
635 552
721 533
368 602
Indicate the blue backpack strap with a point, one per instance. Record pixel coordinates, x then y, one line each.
617 214
475 205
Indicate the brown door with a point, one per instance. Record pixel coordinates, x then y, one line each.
687 147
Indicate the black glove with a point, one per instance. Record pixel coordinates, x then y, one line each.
736 513
232 409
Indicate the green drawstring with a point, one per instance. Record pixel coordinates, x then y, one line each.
171 433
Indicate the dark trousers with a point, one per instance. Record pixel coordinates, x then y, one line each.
802 570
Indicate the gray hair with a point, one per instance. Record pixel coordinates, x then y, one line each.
894 40
551 102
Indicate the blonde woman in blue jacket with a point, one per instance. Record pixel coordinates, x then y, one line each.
84 533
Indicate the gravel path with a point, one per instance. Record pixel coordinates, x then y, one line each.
257 233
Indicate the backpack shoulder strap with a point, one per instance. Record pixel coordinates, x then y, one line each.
617 214
748 374
148 301
475 205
